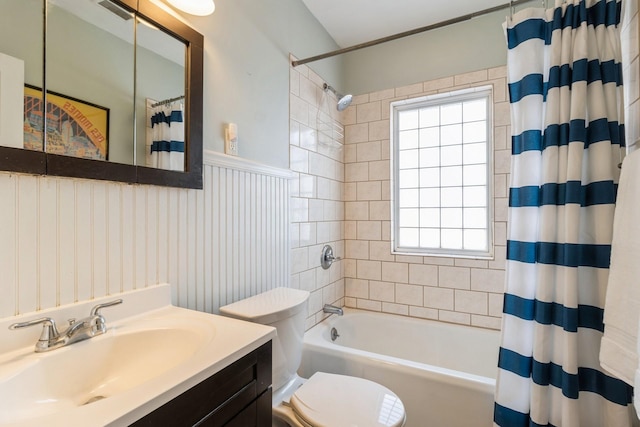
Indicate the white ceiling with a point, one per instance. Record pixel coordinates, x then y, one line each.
351 22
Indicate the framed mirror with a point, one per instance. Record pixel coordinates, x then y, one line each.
122 86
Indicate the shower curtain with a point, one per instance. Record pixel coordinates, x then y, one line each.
167 130
565 89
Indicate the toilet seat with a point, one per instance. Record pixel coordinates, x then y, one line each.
330 400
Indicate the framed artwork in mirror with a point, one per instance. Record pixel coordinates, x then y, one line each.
74 127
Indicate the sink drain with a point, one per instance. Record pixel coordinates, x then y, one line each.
93 399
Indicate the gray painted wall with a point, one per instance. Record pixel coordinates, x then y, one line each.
455 49
247 47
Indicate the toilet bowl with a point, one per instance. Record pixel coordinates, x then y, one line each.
323 400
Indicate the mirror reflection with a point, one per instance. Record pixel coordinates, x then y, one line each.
160 100
90 80
115 83
21 119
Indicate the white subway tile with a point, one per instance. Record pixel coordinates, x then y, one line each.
308 138
370 270
500 257
356 288
426 275
487 280
356 172
298 159
350 268
294 82
308 233
495 304
454 277
364 304
316 210
350 191
395 272
431 85
368 112
409 90
423 312
502 161
350 230
454 317
500 137
299 260
497 72
380 251
381 291
471 302
502 114
371 190
379 130
472 77
486 322
350 153
369 230
379 210
307 186
357 249
400 309
369 151
356 133
408 294
379 170
355 211
439 298
475 263
382 95
299 110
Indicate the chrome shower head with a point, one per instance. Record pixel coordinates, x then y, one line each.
343 100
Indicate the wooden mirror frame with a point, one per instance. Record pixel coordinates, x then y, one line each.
41 163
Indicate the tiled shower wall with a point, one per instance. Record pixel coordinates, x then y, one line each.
466 291
317 209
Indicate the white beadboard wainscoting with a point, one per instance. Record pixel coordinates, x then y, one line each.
66 240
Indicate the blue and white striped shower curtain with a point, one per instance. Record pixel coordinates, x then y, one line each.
565 87
167 130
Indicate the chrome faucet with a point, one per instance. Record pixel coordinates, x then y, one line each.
332 309
78 330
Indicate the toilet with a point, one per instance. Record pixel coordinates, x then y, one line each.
324 400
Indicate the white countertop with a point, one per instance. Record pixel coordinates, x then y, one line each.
225 340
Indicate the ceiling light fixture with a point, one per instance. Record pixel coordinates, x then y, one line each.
194 7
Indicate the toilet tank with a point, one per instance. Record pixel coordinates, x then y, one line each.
286 310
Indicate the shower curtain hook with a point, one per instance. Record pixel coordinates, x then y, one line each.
511 9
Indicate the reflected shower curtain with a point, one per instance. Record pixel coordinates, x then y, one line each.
167 130
565 87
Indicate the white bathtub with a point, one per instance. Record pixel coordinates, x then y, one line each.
444 373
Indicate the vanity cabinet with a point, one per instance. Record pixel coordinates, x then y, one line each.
237 396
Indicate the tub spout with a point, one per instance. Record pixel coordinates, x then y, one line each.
332 309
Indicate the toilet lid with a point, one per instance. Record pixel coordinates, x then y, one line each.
329 400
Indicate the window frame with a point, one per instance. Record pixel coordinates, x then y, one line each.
480 92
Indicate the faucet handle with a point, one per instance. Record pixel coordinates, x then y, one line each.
49 330
95 311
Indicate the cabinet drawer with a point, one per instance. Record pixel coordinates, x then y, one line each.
221 397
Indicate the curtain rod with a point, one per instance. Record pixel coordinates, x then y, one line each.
410 32
167 101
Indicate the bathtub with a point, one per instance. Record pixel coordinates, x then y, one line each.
444 373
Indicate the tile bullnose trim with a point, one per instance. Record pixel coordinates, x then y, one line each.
214 158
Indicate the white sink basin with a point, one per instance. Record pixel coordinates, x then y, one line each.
139 364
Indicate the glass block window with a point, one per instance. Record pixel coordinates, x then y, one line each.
440 177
